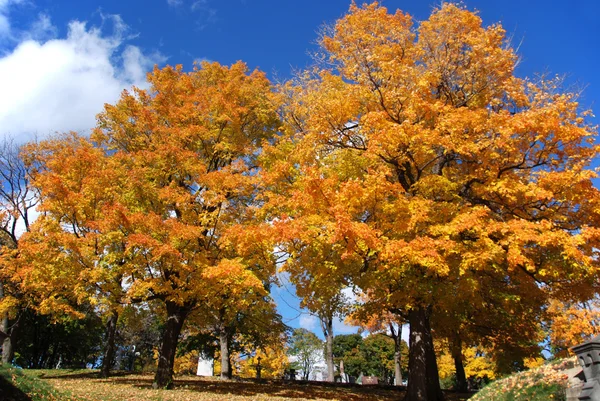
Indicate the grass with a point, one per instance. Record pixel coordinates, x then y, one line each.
87 386
19 385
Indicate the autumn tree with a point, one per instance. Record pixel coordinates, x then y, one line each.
420 150
240 326
476 365
76 248
272 360
497 317
17 203
188 146
139 213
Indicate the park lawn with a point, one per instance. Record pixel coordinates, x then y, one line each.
87 386
19 385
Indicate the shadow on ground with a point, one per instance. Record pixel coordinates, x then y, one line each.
8 392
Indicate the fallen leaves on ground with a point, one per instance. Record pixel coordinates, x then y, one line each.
86 386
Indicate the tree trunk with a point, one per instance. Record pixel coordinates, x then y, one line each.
8 345
327 324
109 349
54 353
176 315
461 378
397 336
230 371
8 351
423 378
225 362
7 348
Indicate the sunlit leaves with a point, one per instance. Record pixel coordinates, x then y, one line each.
431 174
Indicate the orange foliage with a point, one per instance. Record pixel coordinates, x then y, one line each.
142 210
572 323
436 172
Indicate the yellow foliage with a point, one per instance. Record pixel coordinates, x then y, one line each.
475 363
186 364
532 363
445 365
273 361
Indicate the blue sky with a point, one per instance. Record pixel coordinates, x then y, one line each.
60 61
91 50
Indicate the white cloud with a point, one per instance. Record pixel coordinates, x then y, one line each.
340 327
41 29
309 322
199 60
61 84
174 3
5 26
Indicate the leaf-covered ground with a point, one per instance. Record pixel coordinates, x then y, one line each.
87 386
548 382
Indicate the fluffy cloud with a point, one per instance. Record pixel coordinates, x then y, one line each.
54 84
309 322
340 327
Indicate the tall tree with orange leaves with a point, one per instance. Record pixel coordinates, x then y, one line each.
75 251
419 149
312 264
188 144
181 155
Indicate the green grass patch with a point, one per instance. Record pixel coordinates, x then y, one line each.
20 385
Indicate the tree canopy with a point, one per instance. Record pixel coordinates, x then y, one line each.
409 163
439 171
140 212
